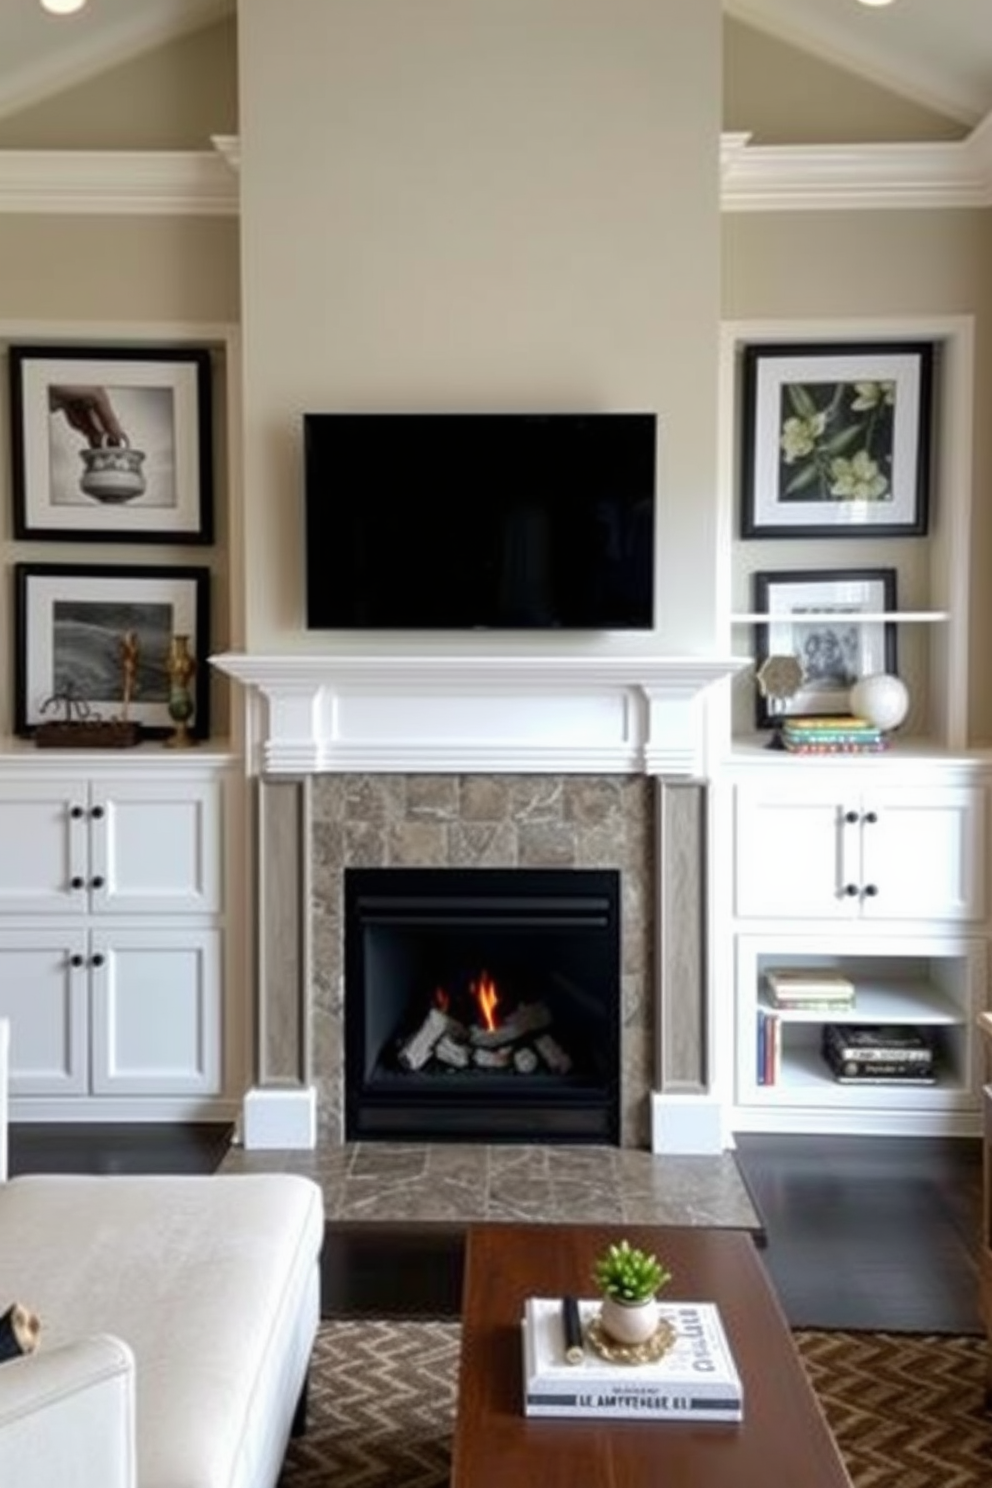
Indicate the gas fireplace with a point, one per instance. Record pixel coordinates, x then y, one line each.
482 1004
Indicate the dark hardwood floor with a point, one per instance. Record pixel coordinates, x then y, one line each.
874 1233
870 1233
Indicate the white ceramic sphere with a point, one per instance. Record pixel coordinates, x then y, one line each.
880 699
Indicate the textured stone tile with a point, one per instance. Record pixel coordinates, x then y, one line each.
530 1199
389 1160
482 845
365 845
536 798
596 1166
546 845
483 798
518 1162
594 800
575 1202
417 844
434 796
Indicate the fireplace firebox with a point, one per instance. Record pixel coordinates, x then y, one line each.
482 1004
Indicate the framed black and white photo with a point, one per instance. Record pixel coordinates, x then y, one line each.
813 616
836 439
70 628
111 445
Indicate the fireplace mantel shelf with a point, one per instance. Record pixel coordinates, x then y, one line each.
533 712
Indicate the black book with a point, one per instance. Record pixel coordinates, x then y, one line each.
881 1042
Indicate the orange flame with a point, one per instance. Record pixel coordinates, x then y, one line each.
485 994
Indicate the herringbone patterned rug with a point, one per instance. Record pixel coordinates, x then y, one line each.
907 1410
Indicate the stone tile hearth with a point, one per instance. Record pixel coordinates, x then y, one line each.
463 1184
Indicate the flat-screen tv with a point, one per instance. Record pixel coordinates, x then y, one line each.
462 521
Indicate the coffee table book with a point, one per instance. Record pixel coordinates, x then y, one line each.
696 1379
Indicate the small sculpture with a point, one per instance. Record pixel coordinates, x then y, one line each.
181 669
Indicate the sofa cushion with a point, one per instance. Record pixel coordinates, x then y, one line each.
203 1277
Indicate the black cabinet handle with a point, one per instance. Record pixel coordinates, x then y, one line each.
850 890
96 883
97 813
98 960
76 960
850 817
77 883
871 817
76 812
871 890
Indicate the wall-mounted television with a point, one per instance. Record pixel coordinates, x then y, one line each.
465 521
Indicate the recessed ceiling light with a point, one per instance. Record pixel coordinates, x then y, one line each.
68 7
876 2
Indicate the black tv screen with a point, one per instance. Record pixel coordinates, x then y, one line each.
461 521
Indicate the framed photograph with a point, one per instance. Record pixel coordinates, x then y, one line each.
76 630
111 445
836 440
812 616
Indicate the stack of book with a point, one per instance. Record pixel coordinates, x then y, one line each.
696 1379
842 734
879 1053
769 1047
809 987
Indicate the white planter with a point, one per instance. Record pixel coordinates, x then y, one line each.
630 1322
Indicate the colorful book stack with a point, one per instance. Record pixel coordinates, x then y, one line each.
879 1053
769 1047
842 734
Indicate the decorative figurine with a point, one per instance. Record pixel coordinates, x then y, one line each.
129 666
181 668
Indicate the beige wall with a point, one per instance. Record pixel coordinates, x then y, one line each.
456 203
877 265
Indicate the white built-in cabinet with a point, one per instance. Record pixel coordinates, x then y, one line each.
877 869
875 865
112 929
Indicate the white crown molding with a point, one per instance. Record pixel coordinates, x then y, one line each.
755 178
166 182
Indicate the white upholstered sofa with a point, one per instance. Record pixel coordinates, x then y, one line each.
177 1320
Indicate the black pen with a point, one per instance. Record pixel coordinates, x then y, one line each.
572 1328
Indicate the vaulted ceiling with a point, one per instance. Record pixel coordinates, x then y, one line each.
937 53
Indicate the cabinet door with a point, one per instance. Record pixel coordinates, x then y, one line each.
43 992
155 847
796 854
923 853
156 1011
43 847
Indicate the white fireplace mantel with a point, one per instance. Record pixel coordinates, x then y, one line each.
533 712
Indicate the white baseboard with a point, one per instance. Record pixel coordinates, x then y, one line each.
280 1118
686 1125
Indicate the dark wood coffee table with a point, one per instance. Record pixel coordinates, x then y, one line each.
783 1439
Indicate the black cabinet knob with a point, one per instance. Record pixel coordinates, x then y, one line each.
76 960
97 813
850 890
77 883
871 817
871 890
850 817
96 883
76 812
98 960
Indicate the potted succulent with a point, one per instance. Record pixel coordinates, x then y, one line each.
630 1280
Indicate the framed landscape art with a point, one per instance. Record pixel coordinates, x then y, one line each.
813 617
836 439
111 445
73 626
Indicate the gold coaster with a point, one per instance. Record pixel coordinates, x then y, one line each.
647 1352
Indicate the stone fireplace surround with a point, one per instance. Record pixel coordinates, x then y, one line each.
537 760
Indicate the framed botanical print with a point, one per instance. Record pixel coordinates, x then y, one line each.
836 439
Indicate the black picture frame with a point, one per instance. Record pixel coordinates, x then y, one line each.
833 653
836 439
69 624
71 480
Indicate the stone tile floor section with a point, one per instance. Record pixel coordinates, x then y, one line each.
455 1183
